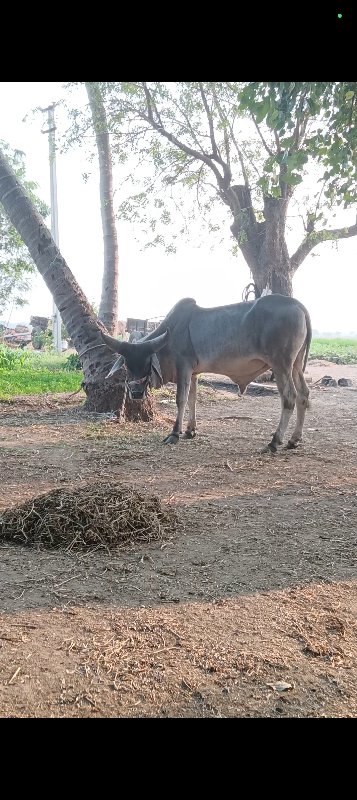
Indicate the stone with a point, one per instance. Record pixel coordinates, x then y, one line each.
328 380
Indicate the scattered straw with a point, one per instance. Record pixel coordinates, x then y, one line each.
94 514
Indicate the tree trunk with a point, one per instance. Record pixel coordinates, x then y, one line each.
77 315
273 269
108 309
263 243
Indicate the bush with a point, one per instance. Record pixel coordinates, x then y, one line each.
11 358
43 340
72 362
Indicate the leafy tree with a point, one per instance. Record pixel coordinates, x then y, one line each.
246 147
16 266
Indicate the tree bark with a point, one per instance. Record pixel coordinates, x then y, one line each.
77 315
108 309
263 243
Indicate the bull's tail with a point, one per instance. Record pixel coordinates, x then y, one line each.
308 338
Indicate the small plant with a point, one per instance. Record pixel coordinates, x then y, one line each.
72 362
43 340
11 358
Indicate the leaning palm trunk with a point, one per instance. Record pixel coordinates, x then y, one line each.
77 314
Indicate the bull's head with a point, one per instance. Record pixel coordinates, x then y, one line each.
141 362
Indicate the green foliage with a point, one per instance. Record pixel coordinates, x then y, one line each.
49 359
43 340
324 117
11 358
73 363
340 351
16 266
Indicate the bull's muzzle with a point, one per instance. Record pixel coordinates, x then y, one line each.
138 389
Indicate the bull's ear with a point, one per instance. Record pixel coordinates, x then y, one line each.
116 366
115 345
154 345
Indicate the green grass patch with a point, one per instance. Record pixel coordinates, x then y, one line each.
30 381
14 359
24 372
50 361
340 351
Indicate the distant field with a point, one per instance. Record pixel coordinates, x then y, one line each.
341 351
24 372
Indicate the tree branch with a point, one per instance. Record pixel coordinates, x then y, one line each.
210 124
215 152
319 197
149 117
151 104
225 121
189 126
271 153
277 142
300 126
198 186
316 238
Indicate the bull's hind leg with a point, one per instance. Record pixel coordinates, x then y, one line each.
183 387
302 403
287 393
190 431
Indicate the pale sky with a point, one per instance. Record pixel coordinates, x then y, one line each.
151 282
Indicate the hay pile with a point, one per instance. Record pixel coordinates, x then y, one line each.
88 516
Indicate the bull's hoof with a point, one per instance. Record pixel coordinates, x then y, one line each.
171 439
291 445
189 435
270 448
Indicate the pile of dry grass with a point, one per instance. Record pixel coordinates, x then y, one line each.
102 514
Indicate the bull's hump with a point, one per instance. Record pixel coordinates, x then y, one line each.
186 301
181 310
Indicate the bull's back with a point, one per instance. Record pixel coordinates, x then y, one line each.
215 334
262 330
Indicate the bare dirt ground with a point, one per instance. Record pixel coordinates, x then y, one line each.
248 610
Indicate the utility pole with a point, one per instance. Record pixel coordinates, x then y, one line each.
56 317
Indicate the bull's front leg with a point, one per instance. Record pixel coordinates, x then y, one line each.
190 431
183 387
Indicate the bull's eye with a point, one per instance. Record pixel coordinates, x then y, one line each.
139 380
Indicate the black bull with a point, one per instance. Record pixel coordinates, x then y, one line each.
240 341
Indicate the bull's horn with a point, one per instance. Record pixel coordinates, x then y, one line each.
152 345
116 366
116 345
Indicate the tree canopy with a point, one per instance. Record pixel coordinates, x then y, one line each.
247 146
